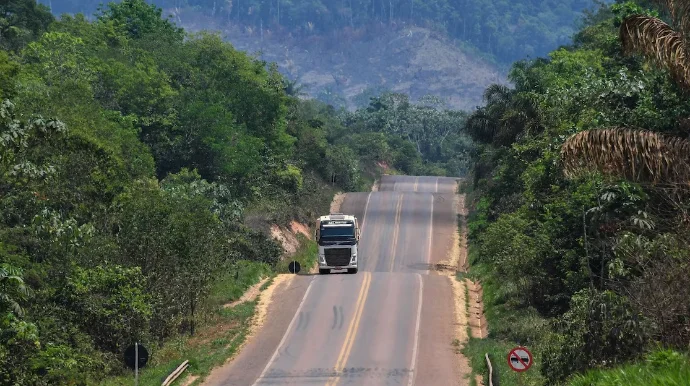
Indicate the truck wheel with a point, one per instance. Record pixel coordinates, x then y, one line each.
352 270
324 271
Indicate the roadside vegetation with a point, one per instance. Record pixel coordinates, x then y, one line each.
659 368
139 168
579 228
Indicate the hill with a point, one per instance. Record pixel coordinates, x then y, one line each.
349 66
345 52
506 30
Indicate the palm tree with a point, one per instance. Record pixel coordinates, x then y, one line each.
292 88
635 154
641 155
507 115
12 289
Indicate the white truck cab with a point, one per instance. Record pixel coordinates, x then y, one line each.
337 236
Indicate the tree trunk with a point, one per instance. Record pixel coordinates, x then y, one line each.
192 307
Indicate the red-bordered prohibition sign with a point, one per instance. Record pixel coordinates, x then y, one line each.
520 359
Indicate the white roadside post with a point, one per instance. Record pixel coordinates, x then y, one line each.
136 364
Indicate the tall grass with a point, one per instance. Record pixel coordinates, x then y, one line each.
660 368
509 325
306 256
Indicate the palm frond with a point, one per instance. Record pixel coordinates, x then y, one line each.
637 155
480 126
497 94
659 42
679 12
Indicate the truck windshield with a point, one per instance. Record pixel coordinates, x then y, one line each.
337 233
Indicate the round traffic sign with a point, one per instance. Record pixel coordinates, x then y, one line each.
294 267
141 353
520 359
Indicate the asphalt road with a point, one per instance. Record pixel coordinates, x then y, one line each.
390 324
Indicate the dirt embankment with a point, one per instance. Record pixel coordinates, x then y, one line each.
288 236
469 308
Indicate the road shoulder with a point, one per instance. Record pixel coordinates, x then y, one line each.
280 300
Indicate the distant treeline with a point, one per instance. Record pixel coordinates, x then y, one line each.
508 30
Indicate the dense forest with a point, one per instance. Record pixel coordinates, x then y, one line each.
580 224
505 30
130 155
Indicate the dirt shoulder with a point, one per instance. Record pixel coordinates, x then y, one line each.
279 300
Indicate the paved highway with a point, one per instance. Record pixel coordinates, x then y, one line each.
390 324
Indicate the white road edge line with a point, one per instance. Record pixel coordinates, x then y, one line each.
364 216
431 235
412 378
287 332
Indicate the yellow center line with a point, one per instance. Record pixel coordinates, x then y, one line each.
396 231
352 330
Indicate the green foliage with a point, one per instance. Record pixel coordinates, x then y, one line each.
137 19
664 367
342 166
231 285
599 329
151 212
110 304
12 290
22 21
8 71
306 256
410 137
593 255
19 343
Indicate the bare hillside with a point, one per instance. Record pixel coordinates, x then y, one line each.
350 66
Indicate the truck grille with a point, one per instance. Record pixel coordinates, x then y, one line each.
337 257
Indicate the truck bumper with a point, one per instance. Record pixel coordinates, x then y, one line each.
325 266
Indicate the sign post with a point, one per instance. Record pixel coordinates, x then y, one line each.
136 364
520 360
136 356
294 267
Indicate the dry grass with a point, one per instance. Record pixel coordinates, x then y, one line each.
659 42
638 155
337 202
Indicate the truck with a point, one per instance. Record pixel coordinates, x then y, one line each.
337 236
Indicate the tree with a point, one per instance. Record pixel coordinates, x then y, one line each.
642 155
140 20
18 141
638 155
110 303
12 289
507 115
22 21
